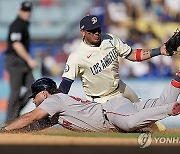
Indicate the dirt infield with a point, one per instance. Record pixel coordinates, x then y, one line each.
25 139
45 138
48 142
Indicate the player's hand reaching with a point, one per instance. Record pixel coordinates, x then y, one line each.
173 43
3 130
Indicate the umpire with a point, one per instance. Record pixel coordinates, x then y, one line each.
19 64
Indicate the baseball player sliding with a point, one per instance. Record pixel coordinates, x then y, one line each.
95 61
75 114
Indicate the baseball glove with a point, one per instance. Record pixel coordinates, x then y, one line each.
173 43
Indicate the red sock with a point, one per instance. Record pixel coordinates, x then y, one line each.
176 81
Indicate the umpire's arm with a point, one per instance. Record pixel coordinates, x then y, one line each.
21 51
27 119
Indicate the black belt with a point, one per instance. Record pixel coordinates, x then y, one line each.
94 97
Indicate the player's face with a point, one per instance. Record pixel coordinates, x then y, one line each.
39 98
93 37
25 15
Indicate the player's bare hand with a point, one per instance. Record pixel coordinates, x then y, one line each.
32 63
163 50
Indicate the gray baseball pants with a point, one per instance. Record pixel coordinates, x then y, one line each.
130 116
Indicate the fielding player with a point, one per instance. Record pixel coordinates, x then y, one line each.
95 61
75 114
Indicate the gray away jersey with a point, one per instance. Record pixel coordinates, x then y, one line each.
76 114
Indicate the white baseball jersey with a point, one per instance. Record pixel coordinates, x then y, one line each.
97 66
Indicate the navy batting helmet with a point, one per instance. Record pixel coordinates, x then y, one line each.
43 84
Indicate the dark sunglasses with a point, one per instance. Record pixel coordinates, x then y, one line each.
93 31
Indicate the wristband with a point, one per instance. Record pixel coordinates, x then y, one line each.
155 52
138 55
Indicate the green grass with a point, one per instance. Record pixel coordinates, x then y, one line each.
90 134
100 134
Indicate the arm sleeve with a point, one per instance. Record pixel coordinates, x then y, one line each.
65 85
123 49
16 34
52 105
71 70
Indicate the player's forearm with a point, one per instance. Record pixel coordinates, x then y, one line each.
21 51
38 125
21 122
144 54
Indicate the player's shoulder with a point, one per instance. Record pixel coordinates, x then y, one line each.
80 50
82 47
61 96
77 48
56 96
107 36
16 26
73 56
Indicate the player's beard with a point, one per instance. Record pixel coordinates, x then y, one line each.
94 42
97 43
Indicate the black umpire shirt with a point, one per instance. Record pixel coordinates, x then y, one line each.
18 32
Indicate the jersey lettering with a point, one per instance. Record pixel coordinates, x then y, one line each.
105 62
96 69
80 100
67 124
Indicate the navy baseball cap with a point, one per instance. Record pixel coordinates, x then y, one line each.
90 22
26 6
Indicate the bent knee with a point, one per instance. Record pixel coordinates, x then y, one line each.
130 126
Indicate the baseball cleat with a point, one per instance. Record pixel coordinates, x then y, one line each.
158 127
176 108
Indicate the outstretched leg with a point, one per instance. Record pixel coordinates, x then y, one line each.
131 122
149 111
169 94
